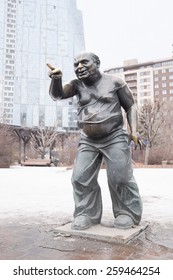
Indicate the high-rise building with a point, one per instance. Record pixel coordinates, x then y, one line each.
150 81
33 33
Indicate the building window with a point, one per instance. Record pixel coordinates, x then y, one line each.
144 73
157 65
171 77
171 84
156 86
155 72
167 63
147 93
142 80
146 80
170 69
163 70
156 79
164 91
156 92
171 91
163 84
163 78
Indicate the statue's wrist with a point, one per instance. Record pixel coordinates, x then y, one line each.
57 77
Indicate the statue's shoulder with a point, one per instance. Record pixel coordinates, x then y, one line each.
75 82
116 80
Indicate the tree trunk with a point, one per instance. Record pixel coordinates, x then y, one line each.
147 151
43 154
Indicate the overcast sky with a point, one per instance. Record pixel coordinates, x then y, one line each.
117 30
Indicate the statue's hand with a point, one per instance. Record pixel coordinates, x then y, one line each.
54 72
137 141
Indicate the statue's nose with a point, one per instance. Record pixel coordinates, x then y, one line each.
80 65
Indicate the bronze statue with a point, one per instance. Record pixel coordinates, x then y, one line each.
100 100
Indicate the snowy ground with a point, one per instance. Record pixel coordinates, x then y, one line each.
47 191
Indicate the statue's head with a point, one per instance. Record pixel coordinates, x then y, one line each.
86 65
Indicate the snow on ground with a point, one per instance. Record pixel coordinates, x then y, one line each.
34 191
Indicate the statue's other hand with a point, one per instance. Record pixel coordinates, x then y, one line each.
137 141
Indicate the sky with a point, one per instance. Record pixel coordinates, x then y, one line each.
118 30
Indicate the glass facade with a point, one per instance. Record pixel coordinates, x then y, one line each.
33 33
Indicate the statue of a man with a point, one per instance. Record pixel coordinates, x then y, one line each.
100 100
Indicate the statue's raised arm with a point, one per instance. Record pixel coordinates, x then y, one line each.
57 90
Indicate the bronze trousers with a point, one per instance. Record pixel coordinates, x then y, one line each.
122 185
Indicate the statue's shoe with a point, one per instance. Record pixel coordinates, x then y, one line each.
123 221
81 223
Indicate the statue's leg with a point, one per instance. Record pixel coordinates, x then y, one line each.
86 190
126 200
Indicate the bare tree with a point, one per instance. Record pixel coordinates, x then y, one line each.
6 144
23 136
43 138
66 147
150 122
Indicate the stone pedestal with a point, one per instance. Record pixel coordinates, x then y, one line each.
105 232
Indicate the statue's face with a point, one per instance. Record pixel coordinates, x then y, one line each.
85 66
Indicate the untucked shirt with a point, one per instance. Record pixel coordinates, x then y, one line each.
99 106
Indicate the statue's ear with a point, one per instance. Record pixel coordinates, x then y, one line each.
98 63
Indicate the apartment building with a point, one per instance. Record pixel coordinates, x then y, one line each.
33 33
150 81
